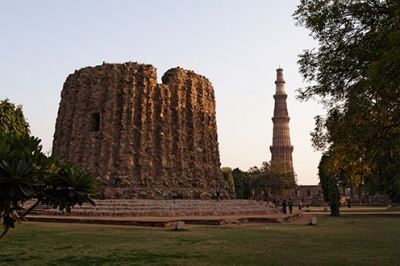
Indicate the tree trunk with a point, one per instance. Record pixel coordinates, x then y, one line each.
3 235
31 208
7 229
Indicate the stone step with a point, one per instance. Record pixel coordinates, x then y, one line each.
162 208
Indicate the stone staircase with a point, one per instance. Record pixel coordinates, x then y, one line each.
161 208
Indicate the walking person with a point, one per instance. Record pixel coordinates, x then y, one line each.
218 191
290 204
284 206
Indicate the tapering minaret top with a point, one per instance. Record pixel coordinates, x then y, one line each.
280 82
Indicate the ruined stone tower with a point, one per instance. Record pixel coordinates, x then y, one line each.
141 139
281 147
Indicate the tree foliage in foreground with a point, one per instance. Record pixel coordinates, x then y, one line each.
26 174
355 74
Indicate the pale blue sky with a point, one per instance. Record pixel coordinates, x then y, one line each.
237 45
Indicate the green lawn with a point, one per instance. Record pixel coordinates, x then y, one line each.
356 208
347 240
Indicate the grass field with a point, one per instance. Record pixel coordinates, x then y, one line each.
356 208
346 240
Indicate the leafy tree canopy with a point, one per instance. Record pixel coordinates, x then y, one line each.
27 174
355 74
12 118
279 177
272 178
242 184
230 182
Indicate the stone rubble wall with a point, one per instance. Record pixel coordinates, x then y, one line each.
141 139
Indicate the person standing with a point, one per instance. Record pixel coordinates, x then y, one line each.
284 206
218 191
290 204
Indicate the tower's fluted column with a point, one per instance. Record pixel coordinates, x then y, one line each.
281 147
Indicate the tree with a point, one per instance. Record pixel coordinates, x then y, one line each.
272 178
279 177
329 185
12 118
230 182
26 173
257 183
355 74
242 184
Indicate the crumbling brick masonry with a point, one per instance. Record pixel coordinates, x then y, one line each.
141 139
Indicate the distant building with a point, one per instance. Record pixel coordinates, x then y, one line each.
281 147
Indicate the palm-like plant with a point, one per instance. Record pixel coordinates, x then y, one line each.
26 174
69 187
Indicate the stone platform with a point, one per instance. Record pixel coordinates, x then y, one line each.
140 207
165 213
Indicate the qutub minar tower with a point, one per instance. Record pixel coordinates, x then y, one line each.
281 147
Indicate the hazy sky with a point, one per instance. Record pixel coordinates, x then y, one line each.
237 45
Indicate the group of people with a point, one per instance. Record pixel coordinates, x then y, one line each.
288 204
